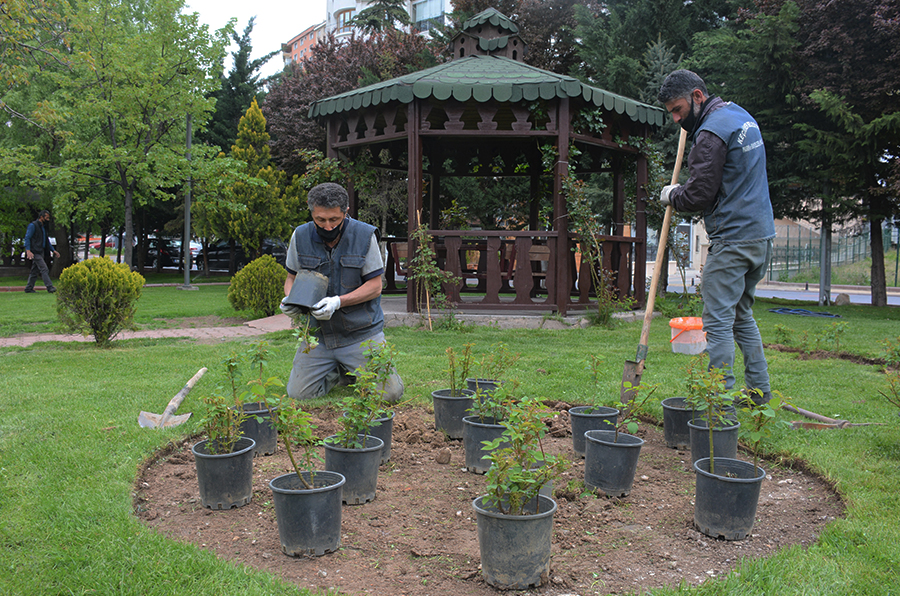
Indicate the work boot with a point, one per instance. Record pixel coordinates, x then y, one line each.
51 290
30 291
752 397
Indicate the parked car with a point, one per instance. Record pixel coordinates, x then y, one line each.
219 254
164 249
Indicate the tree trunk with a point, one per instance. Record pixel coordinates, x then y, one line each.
879 286
129 226
62 247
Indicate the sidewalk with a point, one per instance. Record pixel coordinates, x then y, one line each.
395 315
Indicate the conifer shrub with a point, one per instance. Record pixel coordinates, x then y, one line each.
98 297
258 287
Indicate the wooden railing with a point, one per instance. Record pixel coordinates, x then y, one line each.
494 274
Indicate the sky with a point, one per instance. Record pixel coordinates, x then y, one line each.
276 23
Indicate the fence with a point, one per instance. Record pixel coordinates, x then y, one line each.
797 250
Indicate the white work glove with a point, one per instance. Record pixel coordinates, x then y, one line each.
291 310
664 195
324 308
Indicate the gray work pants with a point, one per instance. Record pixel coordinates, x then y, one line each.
730 276
317 373
38 267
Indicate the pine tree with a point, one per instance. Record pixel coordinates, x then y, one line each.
271 205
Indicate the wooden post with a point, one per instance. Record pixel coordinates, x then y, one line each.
560 210
414 191
640 224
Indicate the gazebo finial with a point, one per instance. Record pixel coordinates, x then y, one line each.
489 33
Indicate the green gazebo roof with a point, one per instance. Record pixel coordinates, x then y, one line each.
484 78
492 16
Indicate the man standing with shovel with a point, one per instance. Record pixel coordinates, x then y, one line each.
728 185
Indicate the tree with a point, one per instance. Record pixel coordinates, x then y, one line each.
382 16
119 105
334 67
237 90
34 35
850 58
270 207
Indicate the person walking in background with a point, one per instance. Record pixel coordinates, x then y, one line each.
345 251
729 186
38 249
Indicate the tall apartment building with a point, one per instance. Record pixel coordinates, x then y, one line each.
425 15
297 50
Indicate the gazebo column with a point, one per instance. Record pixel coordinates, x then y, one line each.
414 190
560 212
618 260
434 200
640 224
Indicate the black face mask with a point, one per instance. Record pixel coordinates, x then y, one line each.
330 235
689 122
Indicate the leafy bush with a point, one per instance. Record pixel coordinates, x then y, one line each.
258 287
97 297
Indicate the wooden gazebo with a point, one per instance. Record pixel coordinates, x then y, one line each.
488 106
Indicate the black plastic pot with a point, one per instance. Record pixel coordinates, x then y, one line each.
308 289
725 502
264 433
585 418
358 466
515 549
676 415
725 440
309 519
609 465
483 386
383 428
225 480
475 432
449 410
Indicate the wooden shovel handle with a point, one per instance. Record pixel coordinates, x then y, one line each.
179 397
661 248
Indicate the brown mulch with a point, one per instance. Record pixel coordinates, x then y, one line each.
419 535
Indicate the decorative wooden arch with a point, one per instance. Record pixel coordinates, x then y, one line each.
486 103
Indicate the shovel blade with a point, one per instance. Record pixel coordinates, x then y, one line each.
150 420
631 378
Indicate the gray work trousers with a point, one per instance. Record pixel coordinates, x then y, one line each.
38 267
317 373
730 276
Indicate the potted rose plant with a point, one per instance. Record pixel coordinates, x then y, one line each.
353 451
224 460
307 501
611 456
515 521
451 405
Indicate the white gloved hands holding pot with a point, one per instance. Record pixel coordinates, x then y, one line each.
291 310
664 195
324 308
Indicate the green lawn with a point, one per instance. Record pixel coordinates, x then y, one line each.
70 445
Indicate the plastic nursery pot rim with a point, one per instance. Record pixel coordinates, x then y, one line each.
337 480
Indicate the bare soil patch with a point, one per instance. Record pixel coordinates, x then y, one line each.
419 535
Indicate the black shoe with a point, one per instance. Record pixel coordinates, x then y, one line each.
30 291
51 290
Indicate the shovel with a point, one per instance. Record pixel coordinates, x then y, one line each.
168 418
631 376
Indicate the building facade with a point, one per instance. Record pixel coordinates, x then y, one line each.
425 15
297 50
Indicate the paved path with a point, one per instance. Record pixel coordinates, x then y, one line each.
249 329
